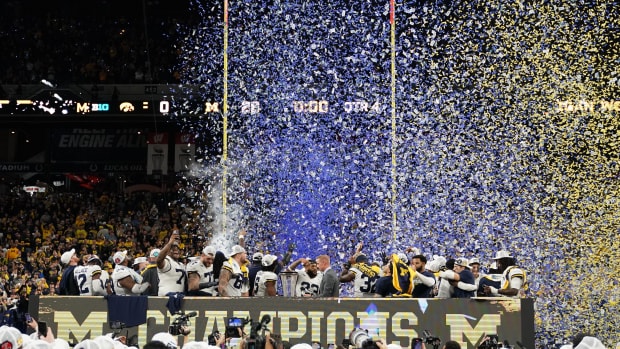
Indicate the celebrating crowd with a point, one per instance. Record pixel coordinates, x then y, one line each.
131 244
145 244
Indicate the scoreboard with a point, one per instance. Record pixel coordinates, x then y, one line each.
54 107
64 107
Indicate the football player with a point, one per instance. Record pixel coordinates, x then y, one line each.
461 278
100 278
512 282
232 282
125 280
424 280
265 283
308 278
171 272
363 275
201 281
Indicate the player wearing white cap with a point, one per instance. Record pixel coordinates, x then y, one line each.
125 280
149 274
68 284
201 279
266 279
513 279
172 274
232 282
89 279
458 282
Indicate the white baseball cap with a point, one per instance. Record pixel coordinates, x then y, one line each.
236 250
87 344
12 336
209 250
66 257
154 253
463 262
119 257
37 344
139 260
502 254
268 260
166 338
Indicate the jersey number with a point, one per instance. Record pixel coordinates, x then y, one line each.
183 276
82 283
369 284
307 287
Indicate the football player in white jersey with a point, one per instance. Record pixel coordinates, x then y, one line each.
171 272
126 281
308 278
513 279
232 282
89 277
363 275
84 280
266 278
100 278
201 280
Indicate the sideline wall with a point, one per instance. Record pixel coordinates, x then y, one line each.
307 320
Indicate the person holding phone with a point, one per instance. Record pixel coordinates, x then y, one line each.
172 273
40 328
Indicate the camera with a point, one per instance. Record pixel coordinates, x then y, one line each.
213 337
180 325
490 342
257 334
233 325
360 338
117 327
429 339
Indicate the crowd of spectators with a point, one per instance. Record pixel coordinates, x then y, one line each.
91 42
36 230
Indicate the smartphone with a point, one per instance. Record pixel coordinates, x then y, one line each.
28 318
42 328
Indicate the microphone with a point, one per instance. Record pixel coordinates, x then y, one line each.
520 345
191 314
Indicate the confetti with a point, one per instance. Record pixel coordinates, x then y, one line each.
506 137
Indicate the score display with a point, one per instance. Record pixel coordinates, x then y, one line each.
164 107
56 107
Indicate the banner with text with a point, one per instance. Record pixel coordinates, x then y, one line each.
97 145
327 321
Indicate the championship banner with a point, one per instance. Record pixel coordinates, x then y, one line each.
327 321
184 151
157 154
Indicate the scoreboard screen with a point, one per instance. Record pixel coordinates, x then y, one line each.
65 107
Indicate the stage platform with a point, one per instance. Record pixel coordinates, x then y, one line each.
327 321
